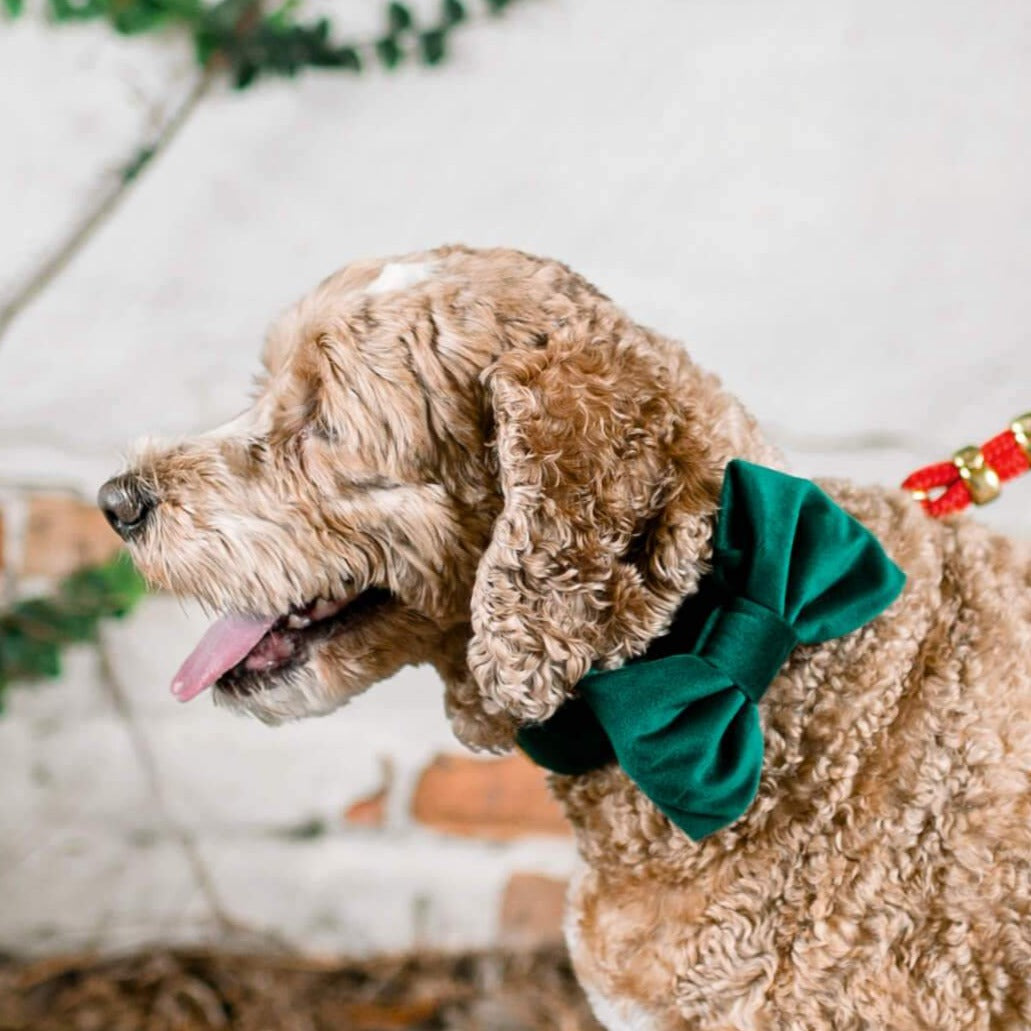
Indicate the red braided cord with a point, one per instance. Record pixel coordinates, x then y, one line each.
941 474
1006 456
941 489
953 500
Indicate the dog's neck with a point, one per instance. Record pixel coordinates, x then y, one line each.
548 613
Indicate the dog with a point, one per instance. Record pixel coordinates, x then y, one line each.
474 459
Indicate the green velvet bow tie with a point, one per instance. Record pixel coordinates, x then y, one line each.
789 567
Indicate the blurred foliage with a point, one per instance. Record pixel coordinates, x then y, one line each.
251 38
33 632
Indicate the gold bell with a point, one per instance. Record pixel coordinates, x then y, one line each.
1022 433
981 479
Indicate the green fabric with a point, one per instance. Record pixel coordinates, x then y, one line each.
789 567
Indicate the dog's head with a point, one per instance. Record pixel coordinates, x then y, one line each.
466 458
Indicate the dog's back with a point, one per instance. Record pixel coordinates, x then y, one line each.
883 876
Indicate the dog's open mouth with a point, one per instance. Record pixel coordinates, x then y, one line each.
246 653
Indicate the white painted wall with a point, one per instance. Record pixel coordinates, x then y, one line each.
828 200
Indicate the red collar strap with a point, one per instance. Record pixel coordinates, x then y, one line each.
975 474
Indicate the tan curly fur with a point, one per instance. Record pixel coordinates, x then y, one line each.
534 477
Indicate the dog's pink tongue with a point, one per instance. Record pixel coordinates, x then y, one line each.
220 649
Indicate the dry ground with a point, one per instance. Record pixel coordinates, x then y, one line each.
202 990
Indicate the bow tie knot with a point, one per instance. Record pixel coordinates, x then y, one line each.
746 642
789 567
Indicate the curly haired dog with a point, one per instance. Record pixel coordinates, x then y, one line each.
475 459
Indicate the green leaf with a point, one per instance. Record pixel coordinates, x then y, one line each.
452 12
284 15
207 42
13 8
185 10
34 631
228 13
399 18
344 57
433 46
107 591
389 51
306 830
244 74
26 658
78 10
131 21
44 620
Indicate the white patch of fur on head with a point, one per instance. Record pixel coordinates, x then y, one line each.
399 276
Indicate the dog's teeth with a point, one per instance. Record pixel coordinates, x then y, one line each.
298 622
323 609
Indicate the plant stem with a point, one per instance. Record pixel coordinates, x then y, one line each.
104 207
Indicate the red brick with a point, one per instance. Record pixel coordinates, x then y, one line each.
498 799
531 910
63 534
369 811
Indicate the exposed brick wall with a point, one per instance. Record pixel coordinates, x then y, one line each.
499 799
369 810
62 534
531 910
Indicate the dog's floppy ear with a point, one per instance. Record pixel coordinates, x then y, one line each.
608 493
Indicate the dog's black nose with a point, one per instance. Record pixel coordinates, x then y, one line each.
126 503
